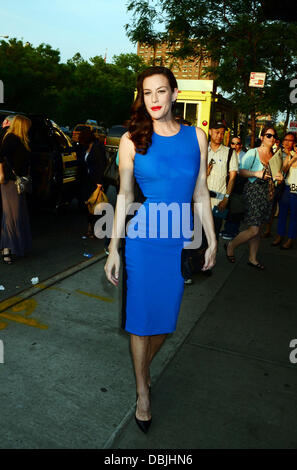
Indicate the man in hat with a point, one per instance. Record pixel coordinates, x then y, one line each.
221 173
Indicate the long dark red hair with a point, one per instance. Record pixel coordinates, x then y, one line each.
141 124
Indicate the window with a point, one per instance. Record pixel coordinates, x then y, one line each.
61 139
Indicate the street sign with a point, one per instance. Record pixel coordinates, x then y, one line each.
293 126
257 79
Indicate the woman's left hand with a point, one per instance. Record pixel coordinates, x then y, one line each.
279 177
210 258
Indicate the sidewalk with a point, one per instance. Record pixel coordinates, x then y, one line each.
231 384
223 380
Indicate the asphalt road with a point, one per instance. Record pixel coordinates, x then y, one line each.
57 245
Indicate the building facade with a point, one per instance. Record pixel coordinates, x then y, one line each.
183 69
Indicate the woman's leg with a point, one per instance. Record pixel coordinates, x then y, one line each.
140 349
283 212
292 232
242 237
254 247
156 342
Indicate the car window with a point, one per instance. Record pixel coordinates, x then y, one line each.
61 139
117 131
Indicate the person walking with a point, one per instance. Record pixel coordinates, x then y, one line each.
92 159
168 161
259 193
15 160
231 228
287 148
288 204
221 173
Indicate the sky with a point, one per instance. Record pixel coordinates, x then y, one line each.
89 27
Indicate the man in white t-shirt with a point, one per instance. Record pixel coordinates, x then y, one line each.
221 172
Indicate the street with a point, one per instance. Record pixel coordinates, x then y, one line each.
57 245
223 380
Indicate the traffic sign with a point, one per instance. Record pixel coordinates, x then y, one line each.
257 79
293 126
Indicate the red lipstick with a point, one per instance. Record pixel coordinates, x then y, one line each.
156 108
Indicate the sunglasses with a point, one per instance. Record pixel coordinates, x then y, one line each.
270 135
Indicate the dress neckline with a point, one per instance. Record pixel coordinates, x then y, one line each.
169 136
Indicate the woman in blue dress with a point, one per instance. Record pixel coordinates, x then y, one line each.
168 162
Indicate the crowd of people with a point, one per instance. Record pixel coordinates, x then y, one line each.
15 163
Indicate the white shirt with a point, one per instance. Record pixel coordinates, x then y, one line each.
216 181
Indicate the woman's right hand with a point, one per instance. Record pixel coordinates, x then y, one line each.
112 268
262 174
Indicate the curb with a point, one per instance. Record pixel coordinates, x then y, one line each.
31 291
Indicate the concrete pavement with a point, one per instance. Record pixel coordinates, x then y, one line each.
223 380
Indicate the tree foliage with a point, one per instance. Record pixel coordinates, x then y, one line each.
36 81
237 36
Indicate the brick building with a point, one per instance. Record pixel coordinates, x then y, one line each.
184 69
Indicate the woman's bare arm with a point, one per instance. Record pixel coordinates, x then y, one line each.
201 195
125 198
2 177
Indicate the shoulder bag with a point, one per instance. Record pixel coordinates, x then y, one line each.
97 197
23 183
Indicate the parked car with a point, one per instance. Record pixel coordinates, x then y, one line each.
112 142
113 138
99 132
54 163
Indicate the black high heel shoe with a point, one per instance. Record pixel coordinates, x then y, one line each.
143 425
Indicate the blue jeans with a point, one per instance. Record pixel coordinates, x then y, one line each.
287 202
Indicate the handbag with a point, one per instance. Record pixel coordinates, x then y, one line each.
219 214
23 183
97 197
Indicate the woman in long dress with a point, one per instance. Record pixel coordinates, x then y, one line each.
15 160
168 162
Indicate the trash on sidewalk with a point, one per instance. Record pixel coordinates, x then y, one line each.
35 280
2 288
87 255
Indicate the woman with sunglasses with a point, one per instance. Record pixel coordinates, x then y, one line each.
258 192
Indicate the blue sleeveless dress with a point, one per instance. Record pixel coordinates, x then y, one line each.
152 280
